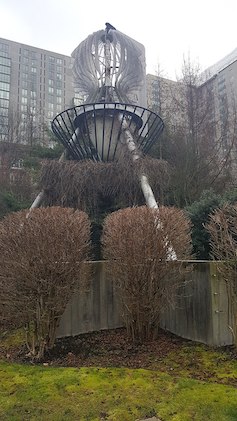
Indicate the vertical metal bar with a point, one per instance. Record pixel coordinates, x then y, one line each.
76 145
120 128
150 134
153 136
111 131
82 134
143 128
103 135
95 129
66 142
90 144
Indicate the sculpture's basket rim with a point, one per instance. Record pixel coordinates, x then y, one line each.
78 129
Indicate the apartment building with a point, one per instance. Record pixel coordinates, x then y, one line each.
223 78
35 85
165 97
214 105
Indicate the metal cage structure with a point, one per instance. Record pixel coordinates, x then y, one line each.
95 131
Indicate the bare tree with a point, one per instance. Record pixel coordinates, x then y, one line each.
41 260
197 142
223 232
136 246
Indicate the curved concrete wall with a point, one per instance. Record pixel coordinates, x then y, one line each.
202 312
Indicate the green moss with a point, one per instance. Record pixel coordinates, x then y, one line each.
11 339
48 393
202 362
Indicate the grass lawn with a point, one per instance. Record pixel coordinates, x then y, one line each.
194 383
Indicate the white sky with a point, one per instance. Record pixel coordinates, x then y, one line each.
169 29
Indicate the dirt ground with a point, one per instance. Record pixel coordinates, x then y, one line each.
113 348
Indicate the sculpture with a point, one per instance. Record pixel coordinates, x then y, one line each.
109 70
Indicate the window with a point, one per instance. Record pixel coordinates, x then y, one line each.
51 82
59 69
51 59
24 84
59 61
51 67
33 77
5 69
4 78
51 75
25 68
50 106
3 120
50 114
33 102
33 85
24 92
59 92
4 86
4 103
34 55
4 94
24 76
59 100
32 110
32 94
51 99
5 61
4 47
51 90
59 76
33 69
24 100
25 60
4 54
26 53
59 108
3 112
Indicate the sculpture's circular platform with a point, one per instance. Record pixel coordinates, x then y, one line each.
95 131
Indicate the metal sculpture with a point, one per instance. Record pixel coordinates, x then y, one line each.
109 66
109 71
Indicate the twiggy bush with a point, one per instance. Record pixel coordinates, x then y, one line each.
87 183
223 232
41 260
136 246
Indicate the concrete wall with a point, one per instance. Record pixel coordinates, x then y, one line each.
201 312
95 309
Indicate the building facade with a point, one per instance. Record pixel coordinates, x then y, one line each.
210 104
35 85
222 76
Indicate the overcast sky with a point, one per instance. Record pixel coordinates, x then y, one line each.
168 29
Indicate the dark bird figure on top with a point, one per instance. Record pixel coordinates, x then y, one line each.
109 26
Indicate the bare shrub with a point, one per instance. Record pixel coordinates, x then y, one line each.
87 183
223 232
136 248
41 260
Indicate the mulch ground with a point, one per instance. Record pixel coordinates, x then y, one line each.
108 348
112 348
